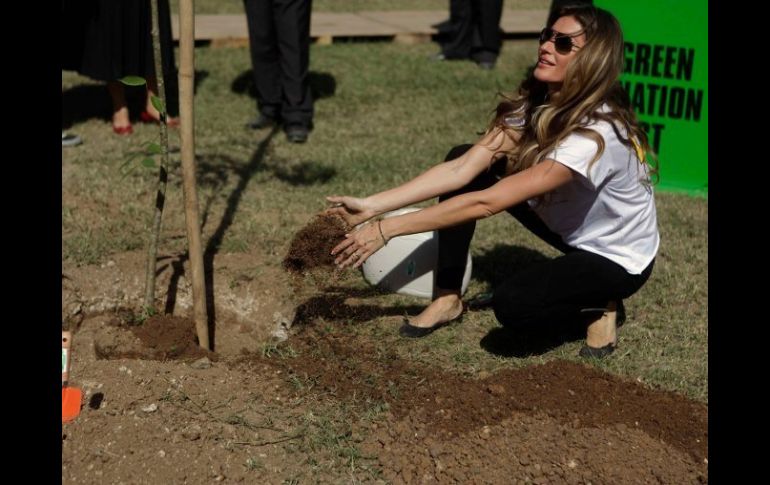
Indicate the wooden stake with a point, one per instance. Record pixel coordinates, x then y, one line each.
187 136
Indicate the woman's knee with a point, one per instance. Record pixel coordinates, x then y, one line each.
508 306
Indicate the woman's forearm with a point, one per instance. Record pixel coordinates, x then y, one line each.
433 182
470 206
451 212
440 179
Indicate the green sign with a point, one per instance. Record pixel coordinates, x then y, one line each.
666 77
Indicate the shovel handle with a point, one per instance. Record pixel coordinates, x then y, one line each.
66 346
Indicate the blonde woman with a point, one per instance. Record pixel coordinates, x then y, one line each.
565 156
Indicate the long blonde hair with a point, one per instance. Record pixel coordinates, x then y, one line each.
591 80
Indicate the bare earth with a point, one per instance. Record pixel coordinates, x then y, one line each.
288 398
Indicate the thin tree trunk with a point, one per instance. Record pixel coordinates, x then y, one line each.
160 199
187 132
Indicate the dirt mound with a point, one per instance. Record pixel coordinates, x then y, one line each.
160 337
569 392
561 421
522 449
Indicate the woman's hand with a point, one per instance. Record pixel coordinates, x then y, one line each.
358 246
353 210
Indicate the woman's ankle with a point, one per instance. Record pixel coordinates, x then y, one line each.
120 118
603 330
444 307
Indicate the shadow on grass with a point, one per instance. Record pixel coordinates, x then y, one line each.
322 84
506 342
493 267
330 305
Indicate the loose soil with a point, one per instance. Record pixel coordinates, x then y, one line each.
321 403
311 247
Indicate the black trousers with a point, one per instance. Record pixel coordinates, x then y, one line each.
279 40
474 30
558 291
558 4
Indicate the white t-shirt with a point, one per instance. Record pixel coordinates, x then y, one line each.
608 211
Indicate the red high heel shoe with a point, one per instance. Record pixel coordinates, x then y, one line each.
146 117
123 130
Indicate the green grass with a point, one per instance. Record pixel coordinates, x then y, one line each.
209 7
383 115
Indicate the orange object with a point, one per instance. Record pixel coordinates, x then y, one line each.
71 397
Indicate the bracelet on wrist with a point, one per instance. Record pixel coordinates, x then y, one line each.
379 226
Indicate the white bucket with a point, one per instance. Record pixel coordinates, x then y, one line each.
407 265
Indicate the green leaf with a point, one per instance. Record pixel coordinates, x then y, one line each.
148 162
153 148
158 103
133 81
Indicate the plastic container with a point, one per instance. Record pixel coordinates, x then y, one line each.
407 265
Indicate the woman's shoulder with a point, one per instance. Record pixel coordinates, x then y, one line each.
602 122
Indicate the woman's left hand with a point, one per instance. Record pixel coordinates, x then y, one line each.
358 246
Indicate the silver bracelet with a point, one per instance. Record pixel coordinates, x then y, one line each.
379 226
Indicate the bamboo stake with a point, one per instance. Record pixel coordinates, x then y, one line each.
187 134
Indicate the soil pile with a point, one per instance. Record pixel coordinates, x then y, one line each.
311 247
160 337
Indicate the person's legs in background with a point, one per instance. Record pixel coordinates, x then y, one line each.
265 62
150 113
487 38
292 24
458 40
121 123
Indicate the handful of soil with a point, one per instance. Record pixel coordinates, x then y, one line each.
311 247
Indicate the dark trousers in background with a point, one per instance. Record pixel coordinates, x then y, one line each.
554 292
557 4
279 40
474 30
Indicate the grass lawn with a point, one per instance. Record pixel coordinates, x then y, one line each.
383 114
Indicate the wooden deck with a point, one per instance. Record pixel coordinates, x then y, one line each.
401 26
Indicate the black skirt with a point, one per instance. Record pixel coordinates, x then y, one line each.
109 39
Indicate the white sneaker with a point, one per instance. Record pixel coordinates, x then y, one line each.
70 140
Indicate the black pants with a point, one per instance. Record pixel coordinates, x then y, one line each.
279 39
557 291
474 30
556 5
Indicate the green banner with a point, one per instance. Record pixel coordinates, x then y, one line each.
666 77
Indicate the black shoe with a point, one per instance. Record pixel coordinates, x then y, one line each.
296 133
261 121
596 352
443 27
482 300
486 65
409 330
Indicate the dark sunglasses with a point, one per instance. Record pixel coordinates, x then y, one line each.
562 42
